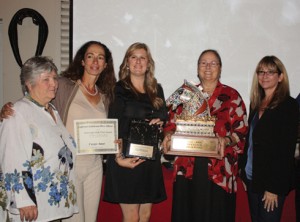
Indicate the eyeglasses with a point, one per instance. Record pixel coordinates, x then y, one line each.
268 73
212 64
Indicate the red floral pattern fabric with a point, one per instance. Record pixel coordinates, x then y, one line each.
227 105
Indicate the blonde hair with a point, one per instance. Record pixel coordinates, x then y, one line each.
282 90
150 83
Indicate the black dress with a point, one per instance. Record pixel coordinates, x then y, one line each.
144 183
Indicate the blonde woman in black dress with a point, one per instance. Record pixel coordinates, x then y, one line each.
139 96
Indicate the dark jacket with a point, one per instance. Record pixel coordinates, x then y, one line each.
274 142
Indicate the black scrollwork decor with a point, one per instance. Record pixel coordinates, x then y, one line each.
38 20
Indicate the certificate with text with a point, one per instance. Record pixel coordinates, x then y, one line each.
96 136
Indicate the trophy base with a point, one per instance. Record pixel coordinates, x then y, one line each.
184 145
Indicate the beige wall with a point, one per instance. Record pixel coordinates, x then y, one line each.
28 35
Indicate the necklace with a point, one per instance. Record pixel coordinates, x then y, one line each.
88 92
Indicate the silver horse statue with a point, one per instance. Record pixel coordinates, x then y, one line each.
195 106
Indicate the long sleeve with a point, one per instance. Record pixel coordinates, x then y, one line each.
36 155
274 142
162 112
238 122
15 150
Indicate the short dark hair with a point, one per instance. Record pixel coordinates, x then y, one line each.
214 52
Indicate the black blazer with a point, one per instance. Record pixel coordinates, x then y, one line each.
274 142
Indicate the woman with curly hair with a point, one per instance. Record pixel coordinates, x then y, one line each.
85 91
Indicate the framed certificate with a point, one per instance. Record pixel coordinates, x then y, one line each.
96 136
184 145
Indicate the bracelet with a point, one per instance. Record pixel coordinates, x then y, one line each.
230 141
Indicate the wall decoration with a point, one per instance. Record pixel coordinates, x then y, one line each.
38 20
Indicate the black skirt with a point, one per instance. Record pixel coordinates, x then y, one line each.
143 184
199 199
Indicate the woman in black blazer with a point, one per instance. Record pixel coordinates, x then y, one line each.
267 165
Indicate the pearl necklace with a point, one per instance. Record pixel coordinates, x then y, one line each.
91 94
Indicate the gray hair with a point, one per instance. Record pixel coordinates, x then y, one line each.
33 68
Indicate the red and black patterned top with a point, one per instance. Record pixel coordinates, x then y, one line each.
227 106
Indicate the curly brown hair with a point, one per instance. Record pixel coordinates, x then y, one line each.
106 80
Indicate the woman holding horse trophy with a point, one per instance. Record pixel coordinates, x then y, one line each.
205 188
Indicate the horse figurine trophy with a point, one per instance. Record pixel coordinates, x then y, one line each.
194 135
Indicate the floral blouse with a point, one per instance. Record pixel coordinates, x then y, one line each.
228 107
3 199
36 155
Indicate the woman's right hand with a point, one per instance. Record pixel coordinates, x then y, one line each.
29 213
6 111
128 162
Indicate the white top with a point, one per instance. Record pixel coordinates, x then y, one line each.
37 159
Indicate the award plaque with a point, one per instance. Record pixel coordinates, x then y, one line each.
183 145
143 140
194 135
96 136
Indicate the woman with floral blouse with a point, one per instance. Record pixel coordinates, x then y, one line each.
204 188
37 151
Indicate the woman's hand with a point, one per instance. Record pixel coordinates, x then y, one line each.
126 162
166 144
221 147
6 111
157 121
271 201
29 213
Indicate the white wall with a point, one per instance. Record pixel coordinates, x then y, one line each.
243 31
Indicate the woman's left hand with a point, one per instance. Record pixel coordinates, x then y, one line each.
156 121
221 147
271 201
166 143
